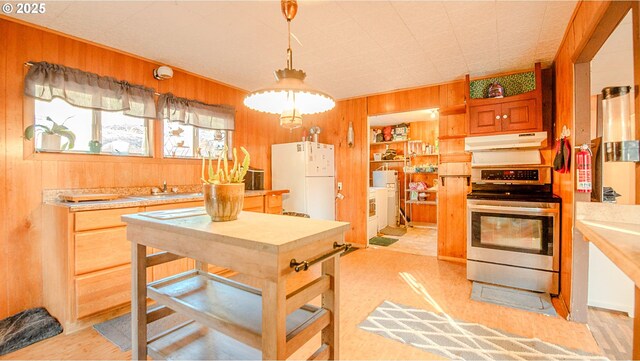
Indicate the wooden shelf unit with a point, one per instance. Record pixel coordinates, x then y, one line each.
389 142
388 161
230 308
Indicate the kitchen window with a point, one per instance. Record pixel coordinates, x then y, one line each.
96 131
193 129
186 141
98 114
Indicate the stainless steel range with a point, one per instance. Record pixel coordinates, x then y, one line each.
513 234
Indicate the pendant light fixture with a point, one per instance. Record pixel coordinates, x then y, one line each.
289 96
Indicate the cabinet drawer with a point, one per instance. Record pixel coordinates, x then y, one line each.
273 201
102 218
253 204
160 207
100 249
102 290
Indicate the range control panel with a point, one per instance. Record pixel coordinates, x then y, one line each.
510 175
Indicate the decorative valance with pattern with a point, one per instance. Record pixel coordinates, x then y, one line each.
88 90
195 113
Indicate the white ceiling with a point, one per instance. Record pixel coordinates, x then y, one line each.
349 48
404 117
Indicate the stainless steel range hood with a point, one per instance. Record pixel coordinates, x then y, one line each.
506 149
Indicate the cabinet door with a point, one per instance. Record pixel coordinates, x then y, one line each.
520 115
485 119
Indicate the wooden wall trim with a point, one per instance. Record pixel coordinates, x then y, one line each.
635 8
4 256
584 36
607 19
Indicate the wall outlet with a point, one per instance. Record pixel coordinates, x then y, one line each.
339 186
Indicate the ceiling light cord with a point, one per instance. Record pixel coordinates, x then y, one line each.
289 51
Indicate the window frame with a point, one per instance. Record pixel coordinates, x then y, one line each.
29 112
196 140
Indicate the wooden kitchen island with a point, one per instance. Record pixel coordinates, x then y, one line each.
230 320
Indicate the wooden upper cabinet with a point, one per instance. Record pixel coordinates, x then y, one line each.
514 114
507 117
521 115
485 119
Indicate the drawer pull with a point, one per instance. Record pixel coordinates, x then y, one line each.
304 265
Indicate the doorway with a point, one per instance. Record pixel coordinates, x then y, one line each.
403 181
601 294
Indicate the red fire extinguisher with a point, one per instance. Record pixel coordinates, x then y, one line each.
583 160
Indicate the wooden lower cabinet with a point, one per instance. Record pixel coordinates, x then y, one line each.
273 204
87 260
102 291
254 204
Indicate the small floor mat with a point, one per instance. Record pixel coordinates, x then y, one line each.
382 241
511 297
393 231
26 328
442 335
118 330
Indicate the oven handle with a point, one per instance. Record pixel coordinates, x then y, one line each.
514 209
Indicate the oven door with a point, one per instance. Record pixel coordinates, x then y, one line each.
521 234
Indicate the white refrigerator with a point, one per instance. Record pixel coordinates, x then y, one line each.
306 169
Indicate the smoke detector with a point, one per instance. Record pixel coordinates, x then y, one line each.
163 72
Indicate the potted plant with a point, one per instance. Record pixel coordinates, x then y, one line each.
223 189
51 136
95 146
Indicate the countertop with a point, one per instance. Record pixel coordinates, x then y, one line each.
615 230
148 200
259 231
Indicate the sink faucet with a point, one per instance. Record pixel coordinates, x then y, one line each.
160 190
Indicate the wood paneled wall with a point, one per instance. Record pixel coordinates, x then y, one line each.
581 27
23 176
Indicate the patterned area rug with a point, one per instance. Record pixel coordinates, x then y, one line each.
514 298
439 334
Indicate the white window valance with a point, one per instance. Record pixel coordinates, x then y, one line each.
88 90
195 113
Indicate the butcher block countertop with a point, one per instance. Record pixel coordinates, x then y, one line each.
620 242
148 200
257 231
615 230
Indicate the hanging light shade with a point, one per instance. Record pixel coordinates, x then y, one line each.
290 96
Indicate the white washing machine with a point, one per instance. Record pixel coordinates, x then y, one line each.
381 206
372 220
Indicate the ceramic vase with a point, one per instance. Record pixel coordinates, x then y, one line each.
223 202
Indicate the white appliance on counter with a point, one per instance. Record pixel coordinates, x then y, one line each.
306 169
388 179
